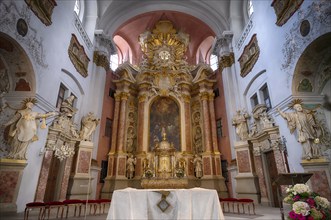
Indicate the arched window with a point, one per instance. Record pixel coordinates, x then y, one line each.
77 7
114 62
250 8
213 62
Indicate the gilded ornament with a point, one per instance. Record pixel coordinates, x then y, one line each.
101 60
226 61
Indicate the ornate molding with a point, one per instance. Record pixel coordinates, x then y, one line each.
101 60
284 9
226 61
78 56
249 56
245 33
81 31
43 9
31 41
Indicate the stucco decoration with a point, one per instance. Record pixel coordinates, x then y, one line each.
262 120
43 9
32 41
131 134
305 86
78 56
249 56
226 61
63 133
101 59
284 9
320 23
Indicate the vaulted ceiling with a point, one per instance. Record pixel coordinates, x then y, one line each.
203 20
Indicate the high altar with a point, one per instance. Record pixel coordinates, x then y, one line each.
164 119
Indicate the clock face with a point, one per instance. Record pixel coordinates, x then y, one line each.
164 55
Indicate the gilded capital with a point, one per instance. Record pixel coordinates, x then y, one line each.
124 96
226 61
204 95
142 98
101 60
117 97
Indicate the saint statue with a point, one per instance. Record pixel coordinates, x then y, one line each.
89 124
197 161
23 128
303 122
130 165
240 123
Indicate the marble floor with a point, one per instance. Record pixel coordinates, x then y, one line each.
262 213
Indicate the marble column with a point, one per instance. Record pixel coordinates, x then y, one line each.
42 183
141 122
115 123
213 122
121 122
206 122
188 131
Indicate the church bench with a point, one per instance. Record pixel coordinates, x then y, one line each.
34 205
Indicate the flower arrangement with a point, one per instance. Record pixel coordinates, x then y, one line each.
306 205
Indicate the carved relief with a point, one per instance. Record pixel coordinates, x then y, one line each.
43 9
197 131
78 56
63 134
284 9
131 134
249 56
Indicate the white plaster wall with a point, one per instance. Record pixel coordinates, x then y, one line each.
272 41
55 42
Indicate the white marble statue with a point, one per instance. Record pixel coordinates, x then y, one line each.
89 124
240 123
197 161
23 129
130 165
303 122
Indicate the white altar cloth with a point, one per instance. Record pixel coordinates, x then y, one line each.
196 203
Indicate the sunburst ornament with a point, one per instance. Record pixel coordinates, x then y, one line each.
295 102
27 100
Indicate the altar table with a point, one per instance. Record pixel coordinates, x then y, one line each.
195 203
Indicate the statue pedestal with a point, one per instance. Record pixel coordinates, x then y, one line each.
11 172
320 182
247 181
80 179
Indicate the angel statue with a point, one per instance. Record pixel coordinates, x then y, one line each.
303 122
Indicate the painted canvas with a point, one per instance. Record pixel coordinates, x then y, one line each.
164 113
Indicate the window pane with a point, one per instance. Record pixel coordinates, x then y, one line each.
108 127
